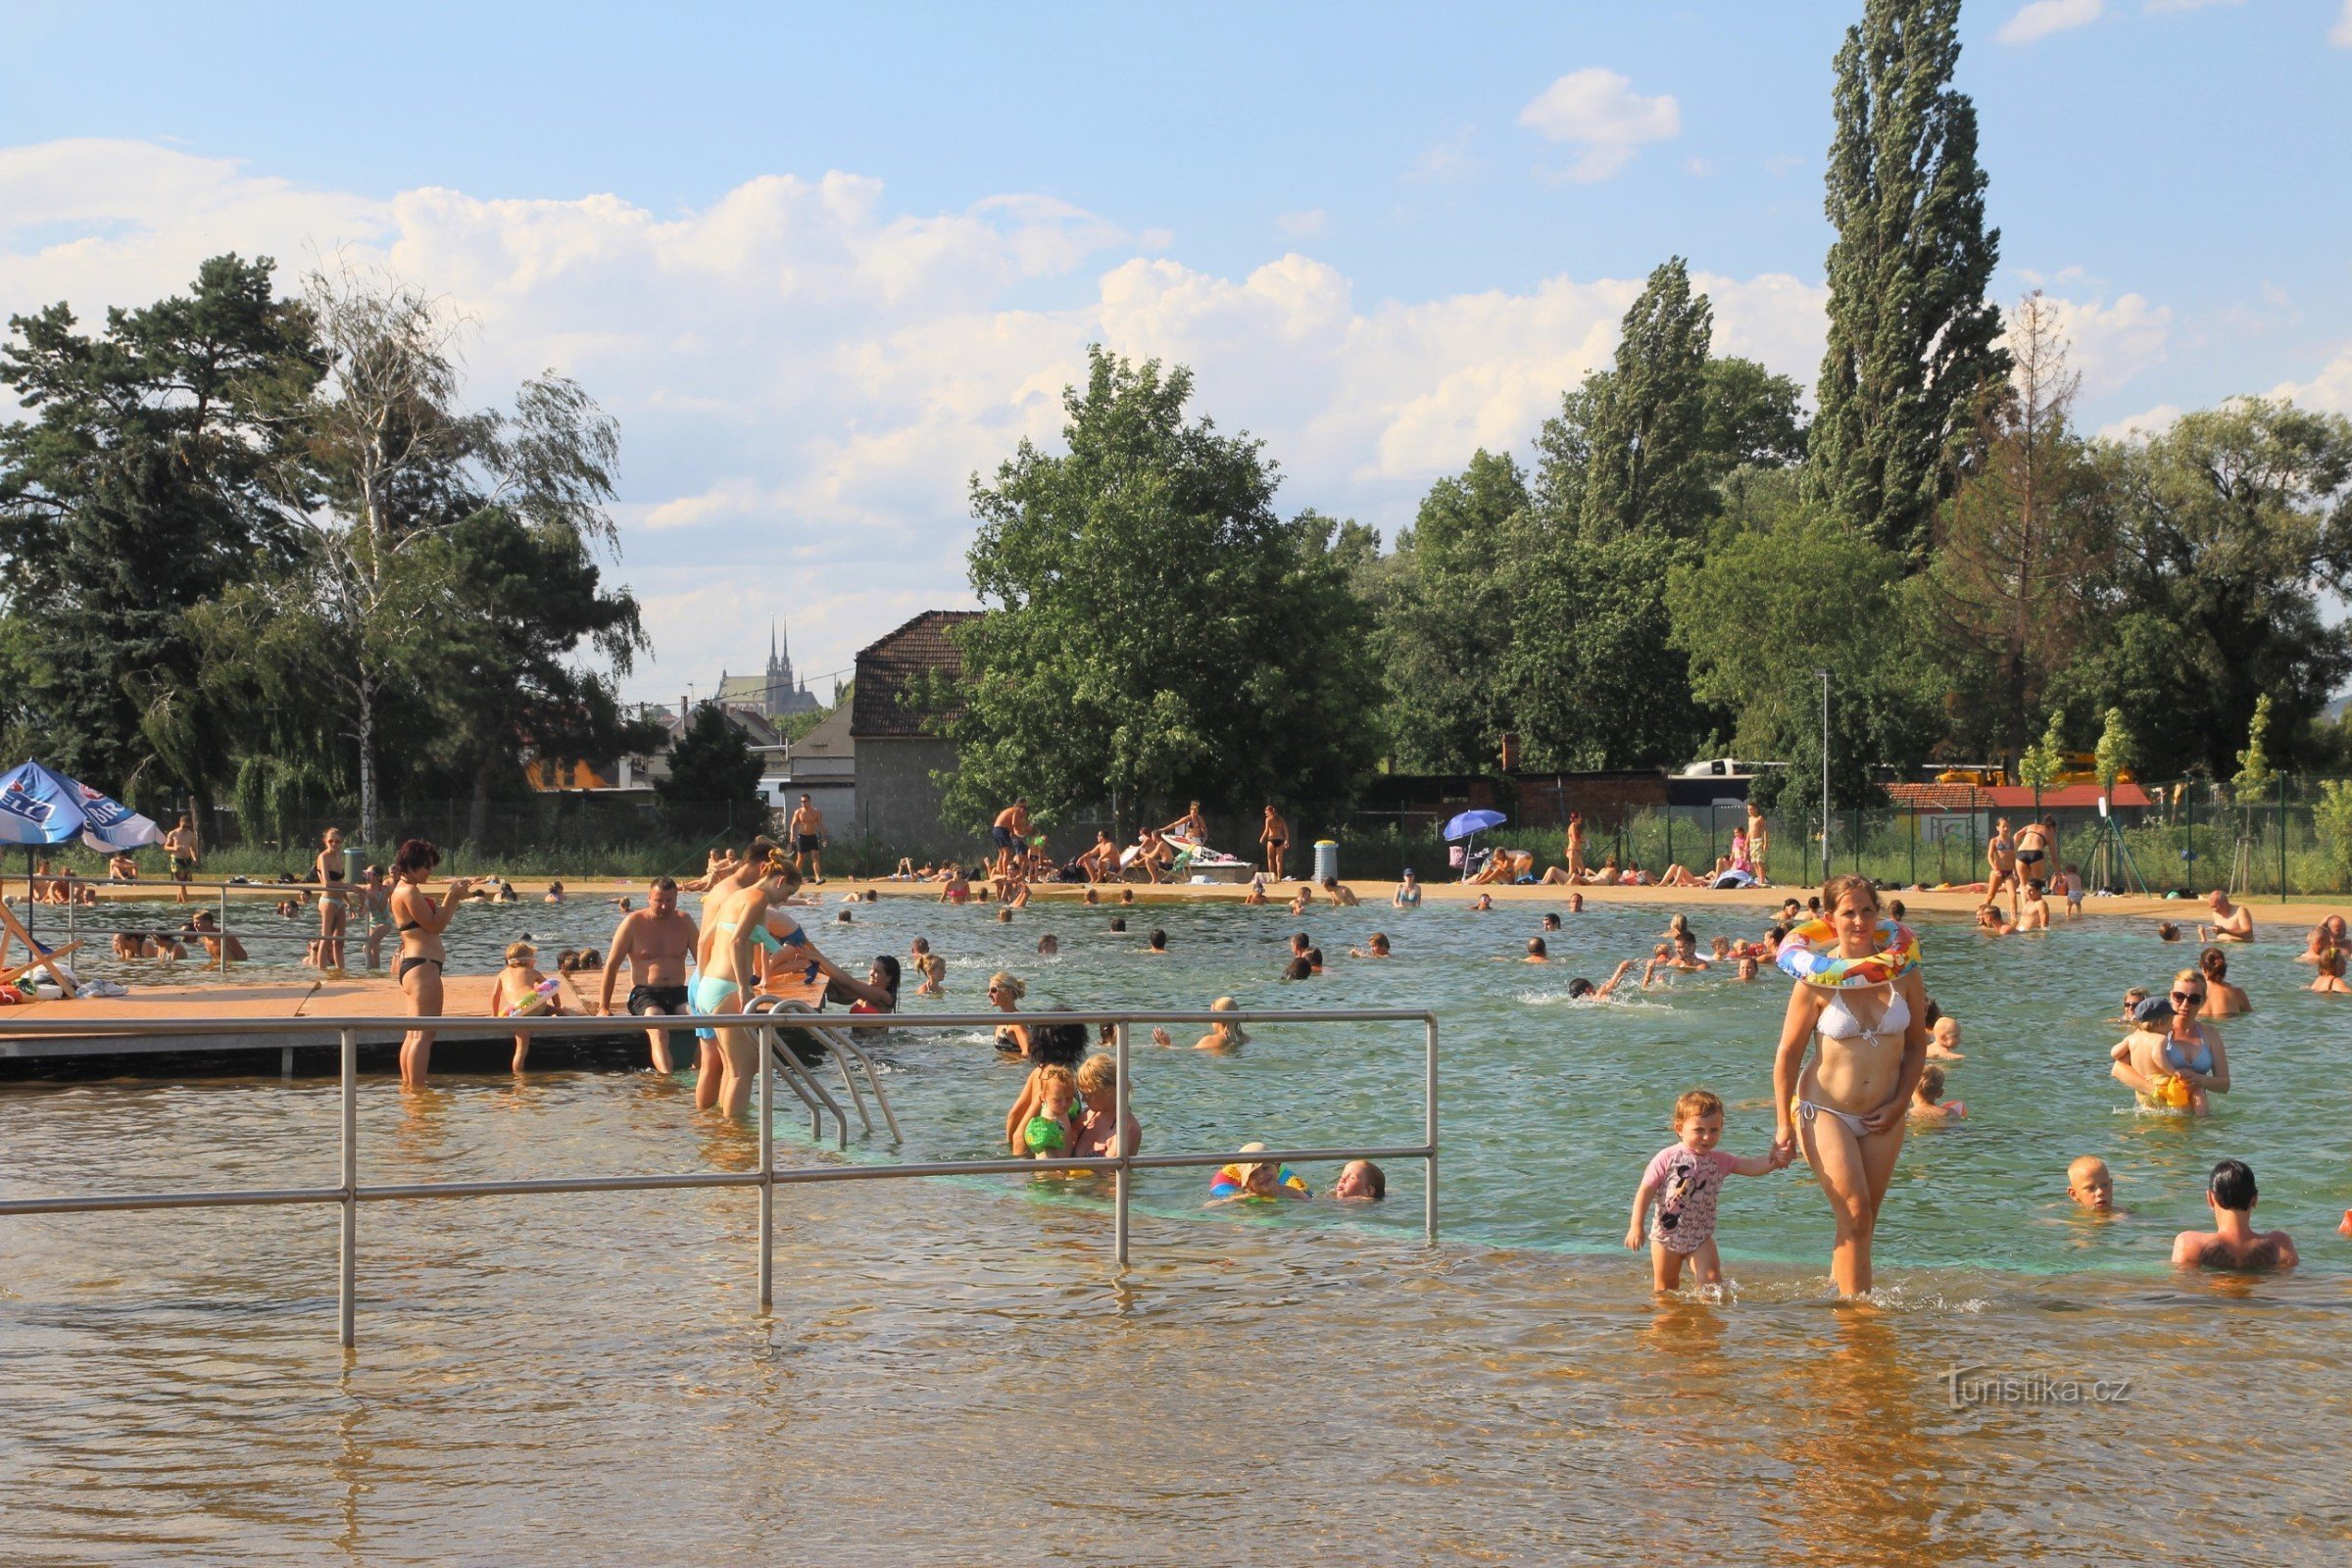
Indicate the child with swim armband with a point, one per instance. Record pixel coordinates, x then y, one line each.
1684 1180
1050 1132
1926 1098
1257 1181
520 991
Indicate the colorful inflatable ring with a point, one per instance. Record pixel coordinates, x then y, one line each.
1810 953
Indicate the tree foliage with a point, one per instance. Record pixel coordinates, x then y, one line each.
1159 632
1913 341
710 764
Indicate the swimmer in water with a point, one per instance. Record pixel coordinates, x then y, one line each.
1377 947
1943 1040
1360 1181
1537 952
1582 989
1682 1182
2090 1185
1486 901
2233 1243
2222 1000
1927 1100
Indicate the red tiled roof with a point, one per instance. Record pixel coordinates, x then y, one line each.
2010 797
887 665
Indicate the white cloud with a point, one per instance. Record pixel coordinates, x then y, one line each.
2170 7
1599 111
2108 345
1444 161
1304 225
2329 392
2141 425
2041 17
2340 34
807 378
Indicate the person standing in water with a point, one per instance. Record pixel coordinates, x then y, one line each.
1275 838
809 841
420 919
334 910
2231 922
1010 834
2000 857
1844 1109
655 942
730 974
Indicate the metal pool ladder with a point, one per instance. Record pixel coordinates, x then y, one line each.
856 1068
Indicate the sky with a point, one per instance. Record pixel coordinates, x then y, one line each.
825 264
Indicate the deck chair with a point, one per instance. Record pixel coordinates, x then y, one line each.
38 956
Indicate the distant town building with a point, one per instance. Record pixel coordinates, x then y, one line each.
774 694
897 747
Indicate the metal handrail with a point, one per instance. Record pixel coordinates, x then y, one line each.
348 1194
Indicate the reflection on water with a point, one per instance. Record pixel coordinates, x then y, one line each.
954 1373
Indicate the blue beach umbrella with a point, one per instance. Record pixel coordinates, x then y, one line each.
1469 822
38 806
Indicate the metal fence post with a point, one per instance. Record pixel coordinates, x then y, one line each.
345 1297
1118 1229
767 1169
1429 1130
224 928
2283 838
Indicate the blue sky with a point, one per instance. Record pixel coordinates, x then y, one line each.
1382 235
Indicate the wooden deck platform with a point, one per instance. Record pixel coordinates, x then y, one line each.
467 1024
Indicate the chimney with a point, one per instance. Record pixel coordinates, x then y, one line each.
1510 752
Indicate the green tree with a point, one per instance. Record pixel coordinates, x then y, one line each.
2228 526
2115 751
1755 420
526 597
1760 614
2040 764
1157 631
2023 548
1913 341
1626 489
135 489
1443 626
1648 465
2255 775
711 769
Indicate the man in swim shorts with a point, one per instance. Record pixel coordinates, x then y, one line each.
180 845
2233 1243
1010 835
654 943
809 841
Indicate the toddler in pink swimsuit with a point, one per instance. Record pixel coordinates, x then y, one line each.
1684 1181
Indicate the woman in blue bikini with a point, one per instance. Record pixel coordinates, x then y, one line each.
1845 1108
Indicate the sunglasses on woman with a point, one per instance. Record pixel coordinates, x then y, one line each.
2189 998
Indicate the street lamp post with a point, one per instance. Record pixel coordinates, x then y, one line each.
1825 774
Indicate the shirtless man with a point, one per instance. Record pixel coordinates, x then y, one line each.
2231 922
180 845
2233 1243
654 943
1275 838
1010 832
2000 855
809 841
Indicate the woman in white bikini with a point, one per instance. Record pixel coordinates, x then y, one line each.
1845 1108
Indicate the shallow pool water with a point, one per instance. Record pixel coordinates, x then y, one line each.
1551 1108
955 1372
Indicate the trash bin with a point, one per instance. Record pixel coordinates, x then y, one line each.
355 861
1327 859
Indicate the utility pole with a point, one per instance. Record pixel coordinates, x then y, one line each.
1825 774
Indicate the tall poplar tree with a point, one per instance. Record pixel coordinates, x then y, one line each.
1913 340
